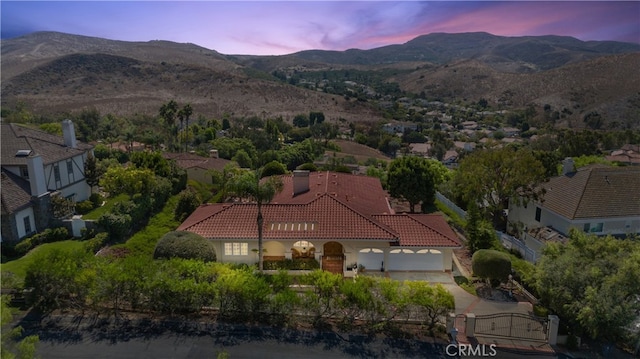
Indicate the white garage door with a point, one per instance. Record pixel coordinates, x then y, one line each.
371 258
409 259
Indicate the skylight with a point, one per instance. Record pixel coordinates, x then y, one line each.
23 153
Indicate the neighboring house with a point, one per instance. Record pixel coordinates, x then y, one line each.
628 154
339 219
198 168
597 199
420 149
36 165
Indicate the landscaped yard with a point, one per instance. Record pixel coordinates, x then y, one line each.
107 208
19 266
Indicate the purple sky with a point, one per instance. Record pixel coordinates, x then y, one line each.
281 27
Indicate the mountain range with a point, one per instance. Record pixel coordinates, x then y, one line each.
62 73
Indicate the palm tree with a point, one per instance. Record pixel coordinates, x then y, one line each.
184 114
247 184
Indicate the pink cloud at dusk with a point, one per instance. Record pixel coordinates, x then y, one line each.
271 28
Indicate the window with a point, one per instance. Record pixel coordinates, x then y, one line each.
596 228
70 170
56 172
24 172
236 249
27 225
538 213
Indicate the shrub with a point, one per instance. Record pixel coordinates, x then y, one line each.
491 264
293 264
188 201
84 207
96 199
117 225
47 236
273 168
186 245
308 167
94 244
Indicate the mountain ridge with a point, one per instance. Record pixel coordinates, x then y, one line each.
49 71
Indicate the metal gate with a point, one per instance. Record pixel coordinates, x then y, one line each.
512 325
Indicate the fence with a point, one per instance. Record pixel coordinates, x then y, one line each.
452 206
511 242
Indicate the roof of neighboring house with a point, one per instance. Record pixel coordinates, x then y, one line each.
424 230
16 193
595 191
50 147
422 148
363 193
323 218
189 160
627 154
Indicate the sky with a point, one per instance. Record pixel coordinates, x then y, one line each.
282 27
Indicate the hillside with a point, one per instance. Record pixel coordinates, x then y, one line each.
61 73
53 72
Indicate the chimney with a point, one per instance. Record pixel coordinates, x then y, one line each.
69 134
213 153
568 166
36 176
300 182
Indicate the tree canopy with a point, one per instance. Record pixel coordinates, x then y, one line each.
414 179
592 282
490 178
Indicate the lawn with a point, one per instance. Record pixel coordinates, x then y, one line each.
107 208
19 266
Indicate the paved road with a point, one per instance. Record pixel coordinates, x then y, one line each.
64 337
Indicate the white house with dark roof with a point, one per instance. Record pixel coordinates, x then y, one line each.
339 219
604 200
35 165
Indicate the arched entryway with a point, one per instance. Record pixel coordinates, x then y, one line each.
333 257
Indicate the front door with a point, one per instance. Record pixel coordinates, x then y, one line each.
333 258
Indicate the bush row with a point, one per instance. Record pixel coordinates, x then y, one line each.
47 236
177 286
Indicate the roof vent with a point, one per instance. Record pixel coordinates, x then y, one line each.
23 153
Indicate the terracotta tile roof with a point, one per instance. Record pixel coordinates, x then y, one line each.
16 193
424 230
50 147
325 217
189 160
362 193
595 191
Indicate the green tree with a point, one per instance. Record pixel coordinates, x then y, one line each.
188 201
592 283
490 178
168 113
414 179
247 184
479 232
184 114
301 120
243 159
129 180
91 172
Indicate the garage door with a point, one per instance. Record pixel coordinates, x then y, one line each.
371 258
410 259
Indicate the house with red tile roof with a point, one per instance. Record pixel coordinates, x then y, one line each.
36 165
599 199
339 219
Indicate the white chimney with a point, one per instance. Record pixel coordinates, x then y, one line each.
213 153
69 133
568 166
36 176
300 182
